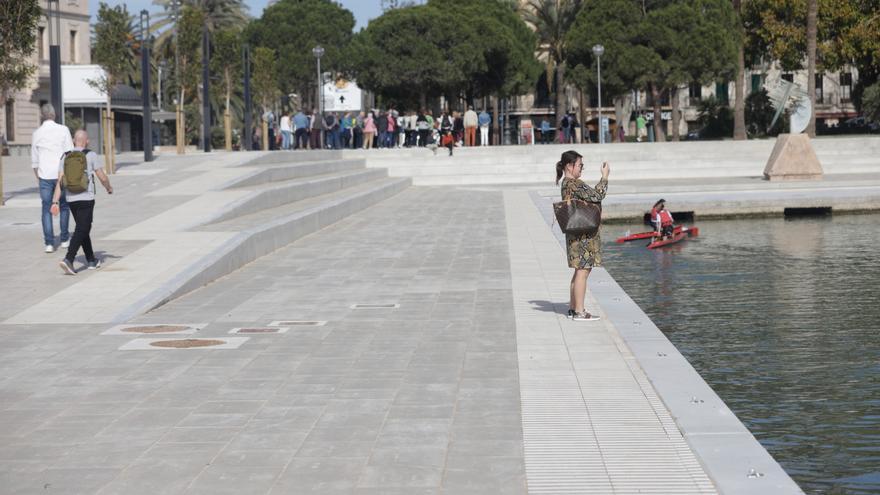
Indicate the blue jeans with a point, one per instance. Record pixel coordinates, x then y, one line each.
285 140
47 189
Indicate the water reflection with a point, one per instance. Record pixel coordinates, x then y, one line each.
781 318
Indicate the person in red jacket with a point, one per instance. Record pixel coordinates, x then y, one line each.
662 220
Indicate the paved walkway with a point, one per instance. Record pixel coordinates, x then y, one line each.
471 382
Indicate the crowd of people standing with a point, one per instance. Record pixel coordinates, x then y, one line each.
374 129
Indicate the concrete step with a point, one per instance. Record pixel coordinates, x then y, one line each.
293 170
280 192
174 259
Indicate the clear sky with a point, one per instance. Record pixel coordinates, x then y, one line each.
363 10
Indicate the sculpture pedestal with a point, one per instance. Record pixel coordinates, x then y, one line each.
793 158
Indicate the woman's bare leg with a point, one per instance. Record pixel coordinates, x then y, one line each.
580 288
572 299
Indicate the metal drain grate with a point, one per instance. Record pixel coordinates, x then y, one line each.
297 323
374 306
156 329
259 330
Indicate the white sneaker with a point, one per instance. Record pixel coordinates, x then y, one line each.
584 317
49 249
65 244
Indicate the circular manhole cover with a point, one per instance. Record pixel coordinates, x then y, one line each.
157 329
258 330
187 343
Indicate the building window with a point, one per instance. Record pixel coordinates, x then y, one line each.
757 83
695 91
41 43
845 87
73 47
788 77
820 89
722 93
10 121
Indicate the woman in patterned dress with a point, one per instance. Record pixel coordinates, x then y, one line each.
583 252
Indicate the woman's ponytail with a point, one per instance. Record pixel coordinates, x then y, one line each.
568 157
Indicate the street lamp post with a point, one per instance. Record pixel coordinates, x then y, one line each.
206 90
318 52
145 86
54 13
598 51
180 131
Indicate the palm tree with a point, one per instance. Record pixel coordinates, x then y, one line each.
551 20
219 14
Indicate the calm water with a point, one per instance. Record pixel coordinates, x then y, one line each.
782 319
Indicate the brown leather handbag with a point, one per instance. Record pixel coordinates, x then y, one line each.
578 217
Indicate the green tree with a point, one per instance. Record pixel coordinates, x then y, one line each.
463 48
218 15
225 62
871 102
112 50
185 75
18 27
552 21
410 53
292 28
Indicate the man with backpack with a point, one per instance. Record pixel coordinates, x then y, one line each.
76 180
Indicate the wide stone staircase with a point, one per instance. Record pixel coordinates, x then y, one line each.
630 161
245 211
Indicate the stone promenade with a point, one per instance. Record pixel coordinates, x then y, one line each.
419 347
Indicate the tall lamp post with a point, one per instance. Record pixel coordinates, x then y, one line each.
318 52
598 51
145 86
180 130
206 90
54 13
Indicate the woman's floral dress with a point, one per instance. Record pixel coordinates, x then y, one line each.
583 251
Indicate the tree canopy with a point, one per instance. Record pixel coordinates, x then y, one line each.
18 28
455 47
114 46
292 28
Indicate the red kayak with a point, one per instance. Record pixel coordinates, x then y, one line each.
677 236
646 235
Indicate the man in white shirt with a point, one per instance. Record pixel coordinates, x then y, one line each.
50 141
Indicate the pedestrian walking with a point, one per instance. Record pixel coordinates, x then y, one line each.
484 119
471 120
358 132
423 129
641 128
346 124
565 135
583 252
269 117
48 144
301 130
545 131
286 131
331 131
381 128
458 128
369 130
76 180
315 130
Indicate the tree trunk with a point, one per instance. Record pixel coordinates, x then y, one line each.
676 117
659 135
739 105
423 101
812 12
227 116
2 197
181 124
627 107
560 97
581 116
109 165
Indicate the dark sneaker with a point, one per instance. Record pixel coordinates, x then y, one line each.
94 265
584 317
570 314
67 267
